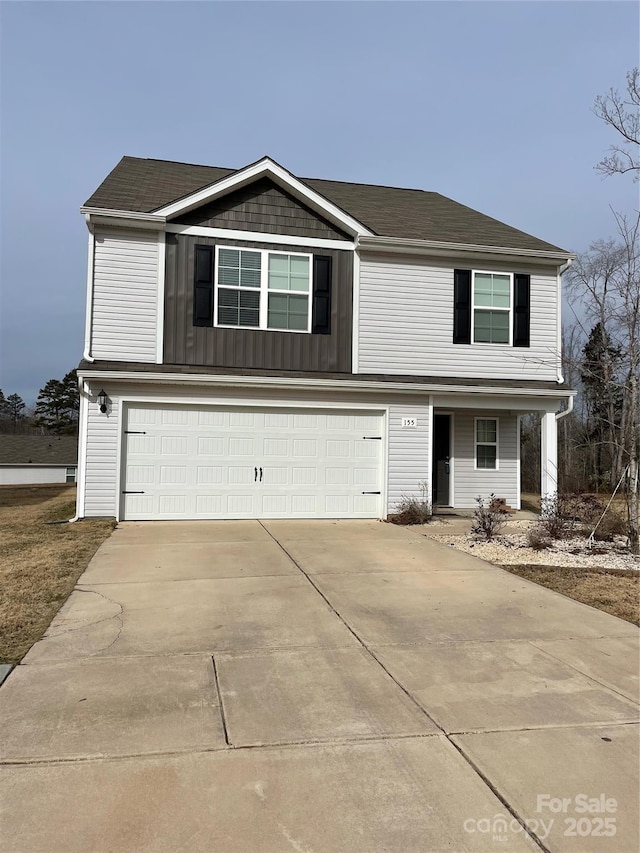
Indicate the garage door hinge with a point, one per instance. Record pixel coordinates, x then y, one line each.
371 493
134 432
372 437
132 493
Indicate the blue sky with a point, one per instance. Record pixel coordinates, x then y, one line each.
486 102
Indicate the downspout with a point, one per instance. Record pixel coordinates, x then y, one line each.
567 411
89 315
561 271
83 388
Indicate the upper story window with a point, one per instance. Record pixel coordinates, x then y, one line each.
491 307
263 290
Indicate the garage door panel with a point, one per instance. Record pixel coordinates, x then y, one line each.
199 462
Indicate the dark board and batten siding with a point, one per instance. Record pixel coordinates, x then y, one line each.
185 343
264 207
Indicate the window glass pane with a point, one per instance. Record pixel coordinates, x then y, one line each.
250 260
492 290
238 308
486 456
229 258
491 327
238 269
482 326
226 275
288 312
499 327
486 430
288 272
250 278
278 302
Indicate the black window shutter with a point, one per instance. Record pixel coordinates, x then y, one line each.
462 306
521 310
321 310
203 285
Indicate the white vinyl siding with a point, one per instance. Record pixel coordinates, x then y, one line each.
101 456
469 481
406 324
125 295
409 452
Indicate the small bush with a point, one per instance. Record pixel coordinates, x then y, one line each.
537 538
565 515
489 517
413 510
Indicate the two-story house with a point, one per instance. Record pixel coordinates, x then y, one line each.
260 345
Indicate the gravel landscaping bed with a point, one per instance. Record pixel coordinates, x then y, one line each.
512 549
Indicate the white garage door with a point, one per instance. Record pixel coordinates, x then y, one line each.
201 462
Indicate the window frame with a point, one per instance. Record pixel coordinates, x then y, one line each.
74 474
475 308
263 290
477 443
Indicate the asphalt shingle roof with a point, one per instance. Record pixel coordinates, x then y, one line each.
38 449
143 186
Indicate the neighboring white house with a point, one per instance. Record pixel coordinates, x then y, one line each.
260 345
33 459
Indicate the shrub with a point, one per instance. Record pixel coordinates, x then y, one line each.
537 538
564 515
413 510
489 517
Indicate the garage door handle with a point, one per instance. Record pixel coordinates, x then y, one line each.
261 475
133 493
255 475
371 493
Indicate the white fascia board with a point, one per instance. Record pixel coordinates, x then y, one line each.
280 176
312 384
98 216
403 245
259 236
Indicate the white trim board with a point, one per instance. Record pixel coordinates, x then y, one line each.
259 237
311 384
280 176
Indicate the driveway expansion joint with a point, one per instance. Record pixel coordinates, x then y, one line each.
511 809
223 716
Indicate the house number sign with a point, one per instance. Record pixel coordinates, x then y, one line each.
409 423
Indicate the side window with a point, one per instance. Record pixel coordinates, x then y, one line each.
491 308
486 443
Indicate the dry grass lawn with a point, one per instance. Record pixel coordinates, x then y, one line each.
39 562
616 592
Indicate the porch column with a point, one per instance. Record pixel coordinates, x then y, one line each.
548 454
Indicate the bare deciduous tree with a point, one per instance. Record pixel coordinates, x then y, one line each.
605 282
622 113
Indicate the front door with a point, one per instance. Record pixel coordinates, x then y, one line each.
441 464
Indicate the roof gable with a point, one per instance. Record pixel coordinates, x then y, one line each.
262 206
146 186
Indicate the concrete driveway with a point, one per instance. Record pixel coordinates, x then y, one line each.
317 686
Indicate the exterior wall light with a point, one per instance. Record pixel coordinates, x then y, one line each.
102 401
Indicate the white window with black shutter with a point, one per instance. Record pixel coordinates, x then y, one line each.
262 289
491 308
